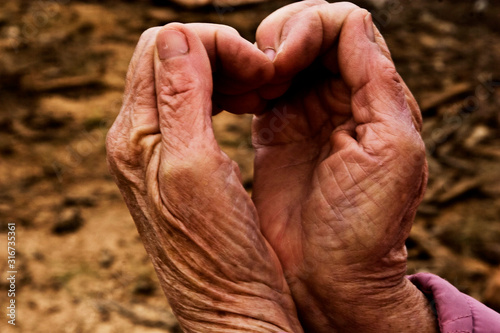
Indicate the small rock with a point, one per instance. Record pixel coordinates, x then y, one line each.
32 305
38 256
481 6
106 259
85 201
144 285
70 220
479 133
104 313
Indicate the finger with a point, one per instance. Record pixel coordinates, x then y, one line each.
138 112
183 80
238 65
138 117
239 68
376 91
144 45
412 103
269 33
378 102
300 33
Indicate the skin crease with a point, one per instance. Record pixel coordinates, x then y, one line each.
339 172
196 220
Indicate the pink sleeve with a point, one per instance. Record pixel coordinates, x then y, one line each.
456 312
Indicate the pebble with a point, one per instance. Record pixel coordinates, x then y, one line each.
70 220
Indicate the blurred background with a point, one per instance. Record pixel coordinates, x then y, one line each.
81 266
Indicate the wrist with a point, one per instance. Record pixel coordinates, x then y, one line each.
365 307
217 286
402 308
226 281
221 305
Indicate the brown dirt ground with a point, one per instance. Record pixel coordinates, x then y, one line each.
81 266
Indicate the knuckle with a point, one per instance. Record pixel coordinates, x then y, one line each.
195 168
180 90
114 152
181 175
144 44
221 28
413 151
179 85
416 148
111 141
388 72
230 30
118 148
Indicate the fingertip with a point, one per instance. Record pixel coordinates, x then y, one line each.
344 136
289 56
270 53
376 89
171 43
183 79
360 57
242 64
182 49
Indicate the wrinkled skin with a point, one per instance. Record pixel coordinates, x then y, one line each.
339 171
197 222
340 167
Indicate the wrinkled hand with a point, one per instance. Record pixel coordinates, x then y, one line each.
339 171
197 222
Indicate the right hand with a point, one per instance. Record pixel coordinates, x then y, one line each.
340 170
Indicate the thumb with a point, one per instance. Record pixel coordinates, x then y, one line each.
183 80
376 90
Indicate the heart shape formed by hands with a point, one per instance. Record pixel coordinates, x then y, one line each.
340 94
340 166
339 171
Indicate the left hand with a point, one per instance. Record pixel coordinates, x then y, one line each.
198 224
340 170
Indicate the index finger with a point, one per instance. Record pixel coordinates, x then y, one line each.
238 65
301 32
239 68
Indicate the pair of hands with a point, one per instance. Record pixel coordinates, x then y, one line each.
339 172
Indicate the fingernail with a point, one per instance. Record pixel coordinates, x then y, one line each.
171 43
369 27
270 53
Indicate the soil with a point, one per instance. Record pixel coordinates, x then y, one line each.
81 265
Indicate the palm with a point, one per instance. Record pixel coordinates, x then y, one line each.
339 168
317 197
339 172
287 162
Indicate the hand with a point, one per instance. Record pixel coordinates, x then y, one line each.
198 225
340 170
